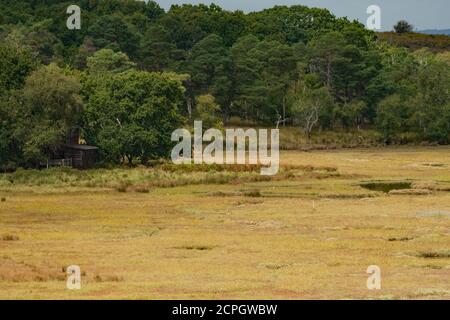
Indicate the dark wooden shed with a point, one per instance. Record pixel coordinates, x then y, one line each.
83 156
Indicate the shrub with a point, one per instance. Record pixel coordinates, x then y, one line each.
122 186
9 237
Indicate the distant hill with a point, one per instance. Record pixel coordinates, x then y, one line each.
414 41
436 31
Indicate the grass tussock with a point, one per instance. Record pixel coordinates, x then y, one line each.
411 192
9 237
99 279
196 248
122 186
401 239
435 165
432 266
141 188
435 254
254 193
190 168
272 266
431 186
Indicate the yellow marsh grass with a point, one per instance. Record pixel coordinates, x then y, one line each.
302 237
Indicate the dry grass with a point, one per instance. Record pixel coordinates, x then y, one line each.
435 254
9 237
294 236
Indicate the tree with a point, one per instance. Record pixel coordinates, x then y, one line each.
189 24
156 51
9 146
208 111
309 107
279 71
392 114
352 113
38 40
403 27
106 60
48 107
112 32
86 49
209 65
262 73
291 24
394 77
132 114
246 72
326 52
429 114
15 66
415 96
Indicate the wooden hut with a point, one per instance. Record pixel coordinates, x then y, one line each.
83 156
73 153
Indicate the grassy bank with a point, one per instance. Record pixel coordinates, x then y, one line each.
143 179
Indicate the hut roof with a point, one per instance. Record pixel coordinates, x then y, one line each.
83 147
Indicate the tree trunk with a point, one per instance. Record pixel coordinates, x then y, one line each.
329 74
189 106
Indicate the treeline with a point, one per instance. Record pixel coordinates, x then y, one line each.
133 73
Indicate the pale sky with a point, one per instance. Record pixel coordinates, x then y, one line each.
423 14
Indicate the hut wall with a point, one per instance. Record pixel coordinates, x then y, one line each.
77 157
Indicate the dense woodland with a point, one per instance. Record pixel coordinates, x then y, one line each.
134 73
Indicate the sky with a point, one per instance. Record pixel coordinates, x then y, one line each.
423 14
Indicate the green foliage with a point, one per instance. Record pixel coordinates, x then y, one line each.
112 32
209 66
291 24
430 110
191 23
52 103
392 113
263 71
311 107
156 51
247 62
208 111
106 60
36 119
419 99
36 39
15 65
132 115
403 27
284 65
8 143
